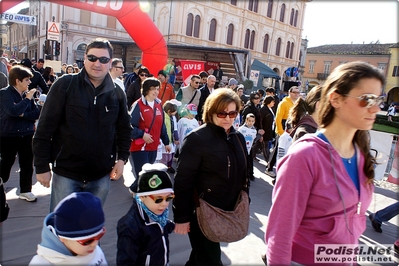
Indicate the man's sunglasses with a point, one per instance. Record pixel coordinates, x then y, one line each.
102 59
86 242
368 100
231 114
159 200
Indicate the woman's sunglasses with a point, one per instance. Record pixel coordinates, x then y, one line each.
368 100
159 200
86 242
143 75
231 114
102 59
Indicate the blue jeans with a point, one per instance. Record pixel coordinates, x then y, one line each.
139 159
387 213
63 186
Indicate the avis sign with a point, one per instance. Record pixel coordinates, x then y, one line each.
53 31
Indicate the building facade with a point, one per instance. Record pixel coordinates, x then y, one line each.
269 30
321 60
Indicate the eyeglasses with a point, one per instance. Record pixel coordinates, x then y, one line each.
368 100
196 82
296 92
102 59
120 67
159 200
231 114
86 242
143 75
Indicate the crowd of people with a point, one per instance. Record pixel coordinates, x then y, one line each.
95 119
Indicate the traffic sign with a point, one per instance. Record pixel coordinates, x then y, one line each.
53 32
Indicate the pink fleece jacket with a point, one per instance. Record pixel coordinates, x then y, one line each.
307 208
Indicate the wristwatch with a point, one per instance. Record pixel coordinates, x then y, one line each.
122 159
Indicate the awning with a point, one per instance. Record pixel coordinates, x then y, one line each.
264 70
24 50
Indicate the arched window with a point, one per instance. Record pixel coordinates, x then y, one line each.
230 33
292 50
278 46
269 8
251 44
282 12
253 5
292 17
287 50
212 30
296 18
246 41
265 43
81 47
233 2
189 28
197 24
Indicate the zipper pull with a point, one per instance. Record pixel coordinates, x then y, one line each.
106 109
95 100
359 204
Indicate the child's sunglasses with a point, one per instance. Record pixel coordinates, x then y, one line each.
159 200
102 59
86 242
369 100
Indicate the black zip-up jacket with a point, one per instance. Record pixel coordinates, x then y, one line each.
213 163
81 128
141 241
12 106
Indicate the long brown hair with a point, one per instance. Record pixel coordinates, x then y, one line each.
341 81
305 106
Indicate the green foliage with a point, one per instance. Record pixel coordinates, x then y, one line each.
248 85
382 124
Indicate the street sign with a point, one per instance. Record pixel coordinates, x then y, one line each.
53 32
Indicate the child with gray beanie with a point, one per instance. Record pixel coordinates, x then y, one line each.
143 233
71 233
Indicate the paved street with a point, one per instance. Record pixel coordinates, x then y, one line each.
21 232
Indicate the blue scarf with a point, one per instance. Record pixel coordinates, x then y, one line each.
162 219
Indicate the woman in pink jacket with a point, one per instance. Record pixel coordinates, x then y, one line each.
325 182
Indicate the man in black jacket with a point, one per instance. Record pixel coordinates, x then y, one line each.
206 90
37 80
84 130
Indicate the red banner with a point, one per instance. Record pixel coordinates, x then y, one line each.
188 68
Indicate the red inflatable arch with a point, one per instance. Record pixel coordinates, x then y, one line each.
137 23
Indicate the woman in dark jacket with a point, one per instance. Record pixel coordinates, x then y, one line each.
212 163
268 123
304 114
133 92
18 113
251 107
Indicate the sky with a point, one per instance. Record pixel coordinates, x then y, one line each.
343 22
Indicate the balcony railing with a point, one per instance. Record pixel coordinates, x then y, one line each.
322 76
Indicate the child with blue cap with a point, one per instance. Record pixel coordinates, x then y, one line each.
71 233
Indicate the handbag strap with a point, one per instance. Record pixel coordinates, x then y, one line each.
192 97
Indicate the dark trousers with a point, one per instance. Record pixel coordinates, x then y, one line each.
9 148
203 250
139 159
273 156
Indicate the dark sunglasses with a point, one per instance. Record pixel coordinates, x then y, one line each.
231 114
143 75
159 200
196 82
120 67
368 100
86 242
256 98
102 59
